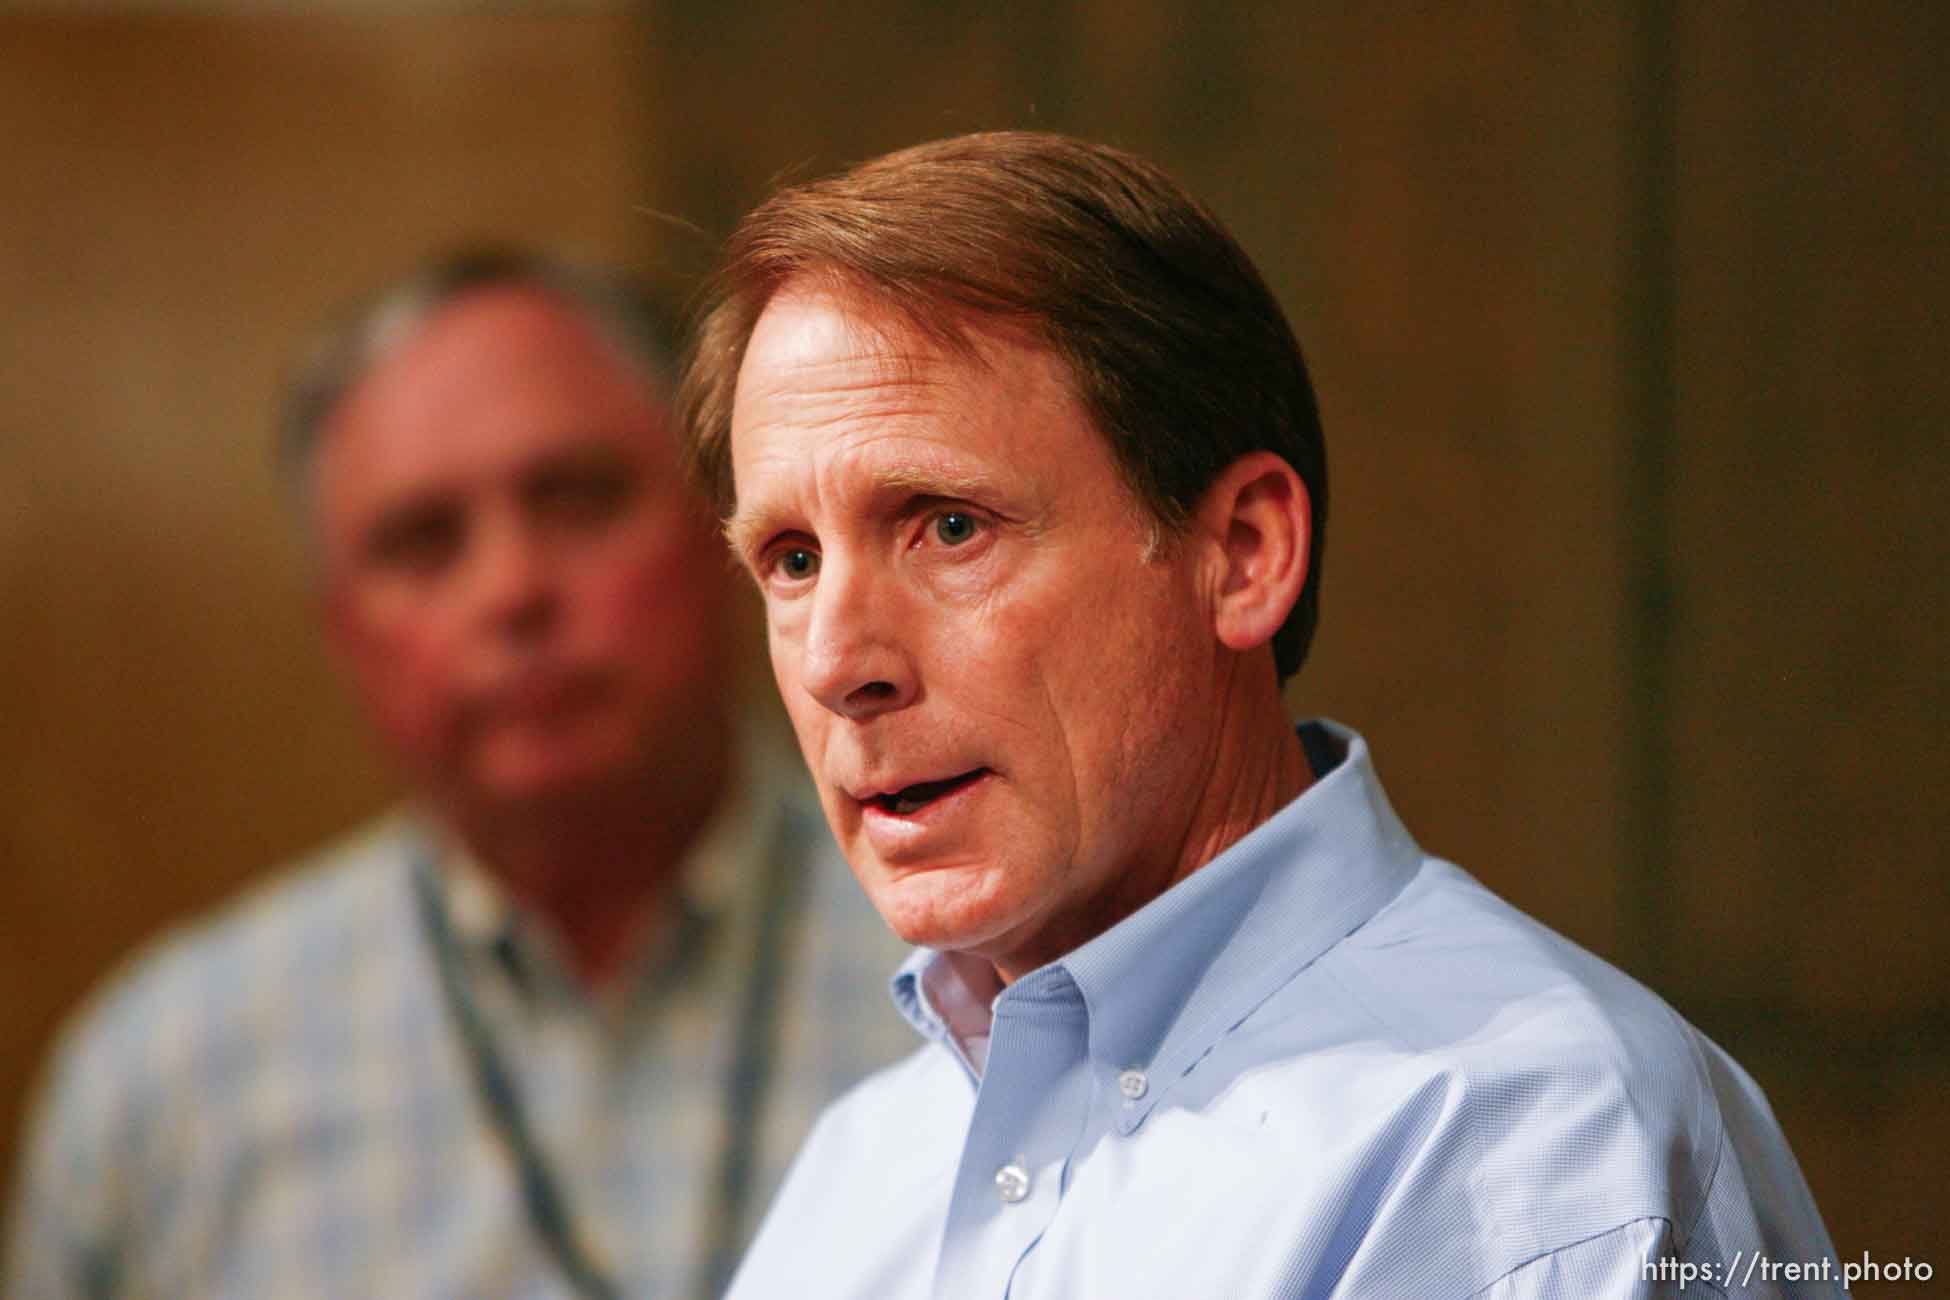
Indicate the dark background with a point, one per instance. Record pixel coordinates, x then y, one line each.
1629 329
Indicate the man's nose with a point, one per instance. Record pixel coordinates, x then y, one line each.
512 583
854 658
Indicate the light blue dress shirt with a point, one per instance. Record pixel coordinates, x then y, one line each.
1325 1064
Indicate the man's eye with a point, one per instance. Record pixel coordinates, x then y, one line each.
955 527
416 541
797 563
583 494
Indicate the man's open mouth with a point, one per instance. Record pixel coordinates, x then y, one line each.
913 798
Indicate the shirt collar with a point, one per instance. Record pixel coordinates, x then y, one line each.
1165 983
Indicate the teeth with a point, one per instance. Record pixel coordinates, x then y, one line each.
920 795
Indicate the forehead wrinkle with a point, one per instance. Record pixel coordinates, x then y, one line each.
881 348
824 390
904 457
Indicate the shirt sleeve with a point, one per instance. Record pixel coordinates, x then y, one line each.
1634 1261
58 1243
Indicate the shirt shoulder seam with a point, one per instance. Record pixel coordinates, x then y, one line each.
1560 1248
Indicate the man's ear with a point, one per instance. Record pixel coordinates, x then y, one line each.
1258 513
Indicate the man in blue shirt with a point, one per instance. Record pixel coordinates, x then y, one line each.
1023 456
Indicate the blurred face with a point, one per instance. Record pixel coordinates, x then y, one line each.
524 598
1001 694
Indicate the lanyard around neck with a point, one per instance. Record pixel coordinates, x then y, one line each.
742 1093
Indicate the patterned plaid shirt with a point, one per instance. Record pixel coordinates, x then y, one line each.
279 1102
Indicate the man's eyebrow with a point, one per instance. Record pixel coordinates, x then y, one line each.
936 481
745 531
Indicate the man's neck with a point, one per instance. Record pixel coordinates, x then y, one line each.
602 874
1259 769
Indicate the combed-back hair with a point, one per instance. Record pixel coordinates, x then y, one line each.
1173 343
621 309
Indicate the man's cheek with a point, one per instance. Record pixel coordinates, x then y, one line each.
412 706
659 602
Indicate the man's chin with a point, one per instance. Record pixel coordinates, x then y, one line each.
542 781
930 907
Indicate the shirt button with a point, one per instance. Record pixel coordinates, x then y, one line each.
1012 1183
1133 1084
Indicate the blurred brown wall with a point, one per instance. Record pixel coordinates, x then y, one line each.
1629 330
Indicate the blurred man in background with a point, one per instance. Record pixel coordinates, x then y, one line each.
553 1029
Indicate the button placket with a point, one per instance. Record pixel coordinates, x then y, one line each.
1031 1105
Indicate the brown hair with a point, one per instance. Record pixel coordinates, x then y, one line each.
1174 344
